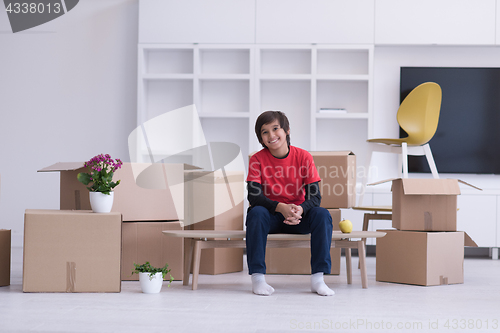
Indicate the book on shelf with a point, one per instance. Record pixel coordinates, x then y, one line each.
333 110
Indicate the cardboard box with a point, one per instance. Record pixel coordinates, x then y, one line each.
425 204
5 243
215 202
337 170
142 195
144 241
421 258
298 260
71 251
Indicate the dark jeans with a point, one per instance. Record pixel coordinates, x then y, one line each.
260 223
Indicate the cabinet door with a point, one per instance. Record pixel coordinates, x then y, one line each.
460 22
315 21
478 217
194 21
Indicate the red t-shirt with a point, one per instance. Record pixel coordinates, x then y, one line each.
283 179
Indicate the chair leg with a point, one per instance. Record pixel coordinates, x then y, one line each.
404 154
430 160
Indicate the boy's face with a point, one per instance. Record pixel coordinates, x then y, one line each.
274 138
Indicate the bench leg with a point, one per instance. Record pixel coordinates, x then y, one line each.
362 263
196 263
188 256
348 264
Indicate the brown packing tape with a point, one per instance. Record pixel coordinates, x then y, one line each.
70 276
428 220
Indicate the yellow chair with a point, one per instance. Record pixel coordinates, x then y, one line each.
418 115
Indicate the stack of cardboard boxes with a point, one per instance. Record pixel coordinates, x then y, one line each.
426 248
337 170
146 204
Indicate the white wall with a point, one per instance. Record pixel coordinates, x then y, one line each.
67 92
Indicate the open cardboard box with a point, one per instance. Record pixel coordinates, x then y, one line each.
142 195
425 204
337 170
298 260
422 258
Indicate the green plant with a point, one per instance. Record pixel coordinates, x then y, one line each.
147 268
101 169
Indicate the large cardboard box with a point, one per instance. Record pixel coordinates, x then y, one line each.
337 170
298 260
71 251
421 258
425 204
144 241
144 194
214 201
5 243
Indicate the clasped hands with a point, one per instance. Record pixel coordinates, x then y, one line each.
291 212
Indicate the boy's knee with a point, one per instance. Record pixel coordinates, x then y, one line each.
257 214
322 214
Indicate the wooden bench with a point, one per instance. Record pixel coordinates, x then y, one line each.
206 239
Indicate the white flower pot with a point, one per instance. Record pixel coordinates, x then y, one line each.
100 202
151 285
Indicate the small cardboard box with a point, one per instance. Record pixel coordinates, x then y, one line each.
71 251
337 170
214 201
142 195
425 204
421 258
298 260
5 243
144 241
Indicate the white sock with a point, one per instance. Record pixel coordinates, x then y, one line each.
318 285
259 285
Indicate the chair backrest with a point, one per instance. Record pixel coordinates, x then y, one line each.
418 114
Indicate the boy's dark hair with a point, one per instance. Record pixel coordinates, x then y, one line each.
268 117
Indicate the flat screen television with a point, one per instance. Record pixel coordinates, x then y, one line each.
467 139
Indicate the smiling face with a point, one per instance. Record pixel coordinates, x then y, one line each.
274 138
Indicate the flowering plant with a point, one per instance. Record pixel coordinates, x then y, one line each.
101 169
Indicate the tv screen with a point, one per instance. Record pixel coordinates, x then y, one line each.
467 139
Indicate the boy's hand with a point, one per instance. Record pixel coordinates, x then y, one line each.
291 212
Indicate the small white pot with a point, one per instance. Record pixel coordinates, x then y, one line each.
100 202
151 285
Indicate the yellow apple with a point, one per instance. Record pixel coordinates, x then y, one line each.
345 226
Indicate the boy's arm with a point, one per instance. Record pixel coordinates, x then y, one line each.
313 197
256 197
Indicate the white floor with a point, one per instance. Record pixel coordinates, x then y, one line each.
224 303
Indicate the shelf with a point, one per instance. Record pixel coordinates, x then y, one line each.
285 61
342 115
168 61
342 62
227 115
224 77
167 76
284 77
345 77
224 61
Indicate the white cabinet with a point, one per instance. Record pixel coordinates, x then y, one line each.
477 215
315 21
325 91
445 22
231 84
194 21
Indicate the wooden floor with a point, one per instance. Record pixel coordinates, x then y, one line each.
225 303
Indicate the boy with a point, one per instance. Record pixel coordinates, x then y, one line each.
284 197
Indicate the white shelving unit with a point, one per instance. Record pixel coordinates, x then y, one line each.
231 84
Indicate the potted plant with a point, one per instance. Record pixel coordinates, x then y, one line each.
151 278
100 177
